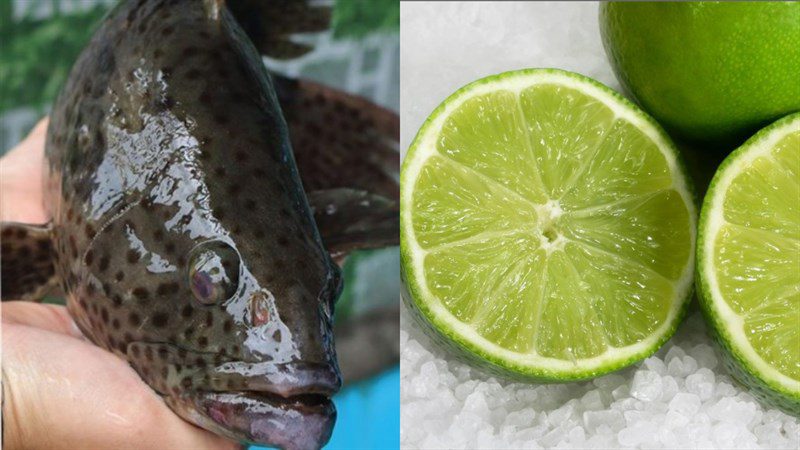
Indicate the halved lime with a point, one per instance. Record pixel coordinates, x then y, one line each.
547 227
749 261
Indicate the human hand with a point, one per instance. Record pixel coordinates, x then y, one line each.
59 390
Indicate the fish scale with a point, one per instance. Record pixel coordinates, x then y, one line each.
181 234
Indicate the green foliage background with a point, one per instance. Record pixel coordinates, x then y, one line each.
36 54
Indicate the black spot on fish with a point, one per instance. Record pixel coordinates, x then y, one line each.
187 311
205 98
221 118
88 258
102 265
132 256
167 288
43 246
190 51
134 319
202 342
219 212
160 319
120 275
141 293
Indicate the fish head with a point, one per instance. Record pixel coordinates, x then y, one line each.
240 340
276 389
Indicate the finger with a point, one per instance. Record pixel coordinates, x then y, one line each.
54 318
21 198
63 393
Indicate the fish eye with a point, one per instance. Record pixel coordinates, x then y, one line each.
213 272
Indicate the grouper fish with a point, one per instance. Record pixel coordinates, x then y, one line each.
199 206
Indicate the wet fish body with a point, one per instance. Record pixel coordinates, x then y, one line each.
182 235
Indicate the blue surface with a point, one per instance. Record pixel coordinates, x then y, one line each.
369 415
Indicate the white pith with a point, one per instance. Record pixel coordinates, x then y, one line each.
714 221
424 147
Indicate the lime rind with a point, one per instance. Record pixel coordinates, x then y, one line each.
743 360
469 342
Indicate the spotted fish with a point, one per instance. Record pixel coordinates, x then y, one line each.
199 205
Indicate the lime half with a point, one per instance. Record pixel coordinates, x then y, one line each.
749 261
547 227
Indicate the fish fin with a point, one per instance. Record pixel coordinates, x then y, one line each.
27 270
351 219
368 344
341 140
270 24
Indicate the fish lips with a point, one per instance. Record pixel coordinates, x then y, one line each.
303 422
285 405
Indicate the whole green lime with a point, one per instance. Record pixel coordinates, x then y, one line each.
708 72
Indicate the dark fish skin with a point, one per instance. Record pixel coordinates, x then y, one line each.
170 169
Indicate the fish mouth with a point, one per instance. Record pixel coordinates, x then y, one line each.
286 405
297 422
